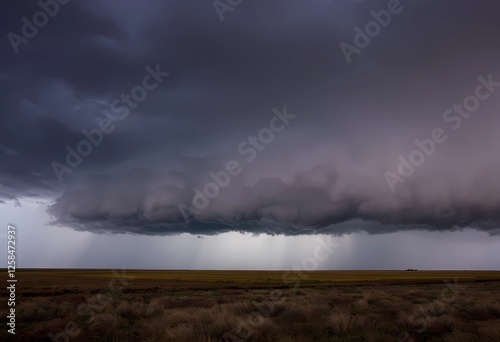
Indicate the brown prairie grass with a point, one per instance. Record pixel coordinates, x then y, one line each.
343 322
181 311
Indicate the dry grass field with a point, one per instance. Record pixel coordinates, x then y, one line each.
131 305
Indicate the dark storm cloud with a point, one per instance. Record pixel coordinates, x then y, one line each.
324 172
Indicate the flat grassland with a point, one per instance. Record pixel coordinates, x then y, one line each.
188 305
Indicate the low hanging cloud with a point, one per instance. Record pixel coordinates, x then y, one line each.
325 198
326 171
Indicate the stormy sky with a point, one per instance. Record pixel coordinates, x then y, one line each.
202 125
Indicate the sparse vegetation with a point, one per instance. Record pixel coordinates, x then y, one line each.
174 307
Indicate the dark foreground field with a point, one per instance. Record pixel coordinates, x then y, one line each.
107 305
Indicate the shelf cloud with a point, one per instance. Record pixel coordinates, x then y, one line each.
159 118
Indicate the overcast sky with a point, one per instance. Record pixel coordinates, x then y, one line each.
228 135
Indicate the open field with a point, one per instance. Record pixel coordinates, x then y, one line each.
134 305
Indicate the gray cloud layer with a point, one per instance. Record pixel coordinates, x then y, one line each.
324 172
